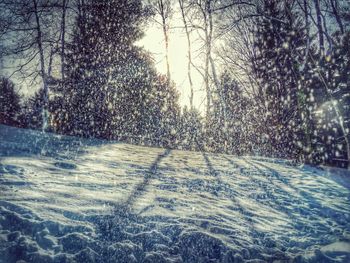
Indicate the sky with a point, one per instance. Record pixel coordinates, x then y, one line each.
153 41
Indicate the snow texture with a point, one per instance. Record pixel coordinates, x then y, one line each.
65 199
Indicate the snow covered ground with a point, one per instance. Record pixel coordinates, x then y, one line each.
64 199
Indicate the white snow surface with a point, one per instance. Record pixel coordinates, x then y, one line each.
67 199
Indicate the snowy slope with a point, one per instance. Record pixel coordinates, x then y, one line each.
64 199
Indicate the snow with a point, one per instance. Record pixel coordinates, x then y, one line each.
66 199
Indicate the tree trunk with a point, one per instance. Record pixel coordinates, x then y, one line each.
306 57
42 67
334 4
215 77
166 40
63 32
182 8
319 26
207 55
307 26
164 15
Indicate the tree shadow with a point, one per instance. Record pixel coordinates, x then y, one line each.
247 215
140 188
128 235
123 210
272 191
270 239
309 218
318 209
211 169
154 238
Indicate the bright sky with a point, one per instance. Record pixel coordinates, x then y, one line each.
178 50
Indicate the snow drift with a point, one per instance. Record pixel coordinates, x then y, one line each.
66 199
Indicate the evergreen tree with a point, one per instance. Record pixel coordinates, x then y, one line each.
191 132
337 66
101 49
165 112
10 107
31 116
279 39
112 89
328 82
238 133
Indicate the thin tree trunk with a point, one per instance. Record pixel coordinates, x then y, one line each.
163 13
42 66
206 81
306 57
334 4
166 40
182 8
307 26
49 67
207 56
63 32
213 69
215 77
222 102
319 26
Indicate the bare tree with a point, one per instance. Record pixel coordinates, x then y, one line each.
33 37
189 51
163 8
43 70
204 23
204 9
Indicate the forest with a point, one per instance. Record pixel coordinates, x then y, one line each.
275 74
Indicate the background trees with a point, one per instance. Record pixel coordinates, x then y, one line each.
275 73
125 98
279 38
281 52
191 132
31 37
102 39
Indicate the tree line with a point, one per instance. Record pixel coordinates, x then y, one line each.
275 74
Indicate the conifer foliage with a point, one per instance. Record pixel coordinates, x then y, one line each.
112 89
279 38
9 103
